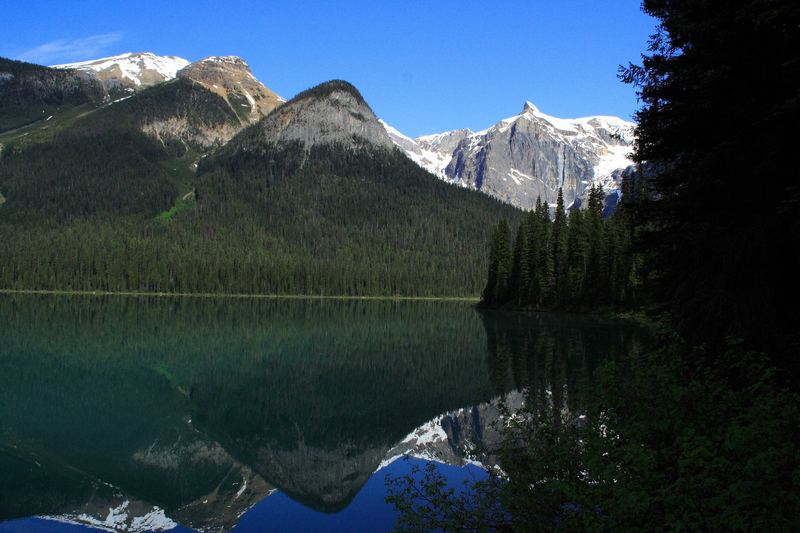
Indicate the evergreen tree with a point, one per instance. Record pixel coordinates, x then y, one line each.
535 247
594 231
579 260
520 276
545 266
500 262
558 252
576 255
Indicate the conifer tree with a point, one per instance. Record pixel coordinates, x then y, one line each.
545 266
520 277
576 255
535 244
594 231
500 260
558 252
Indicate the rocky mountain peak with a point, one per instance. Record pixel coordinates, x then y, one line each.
230 77
333 112
234 61
528 107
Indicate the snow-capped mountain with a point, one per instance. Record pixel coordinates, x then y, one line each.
431 152
529 155
132 71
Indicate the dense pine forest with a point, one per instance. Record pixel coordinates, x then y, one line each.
575 261
384 228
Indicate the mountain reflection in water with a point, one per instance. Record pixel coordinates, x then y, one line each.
142 413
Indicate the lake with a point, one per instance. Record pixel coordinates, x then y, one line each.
245 414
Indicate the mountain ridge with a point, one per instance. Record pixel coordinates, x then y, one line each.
529 155
129 71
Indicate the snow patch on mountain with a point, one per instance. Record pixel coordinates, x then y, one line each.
120 519
139 69
434 161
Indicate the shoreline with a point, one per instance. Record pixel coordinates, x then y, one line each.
43 292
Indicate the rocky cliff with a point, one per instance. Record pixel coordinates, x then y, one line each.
330 113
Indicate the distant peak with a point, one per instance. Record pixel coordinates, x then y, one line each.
120 57
529 107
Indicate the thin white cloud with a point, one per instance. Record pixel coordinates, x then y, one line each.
66 50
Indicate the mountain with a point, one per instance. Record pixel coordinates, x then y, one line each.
227 76
169 189
30 93
129 72
149 141
230 77
527 156
320 181
134 156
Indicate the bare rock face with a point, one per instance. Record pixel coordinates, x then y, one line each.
528 156
190 133
331 113
131 71
230 77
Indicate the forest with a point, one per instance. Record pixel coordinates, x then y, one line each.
577 261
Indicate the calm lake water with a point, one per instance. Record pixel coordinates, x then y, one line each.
148 414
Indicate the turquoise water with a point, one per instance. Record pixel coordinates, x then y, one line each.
256 414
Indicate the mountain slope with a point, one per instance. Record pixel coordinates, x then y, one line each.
325 191
130 157
31 93
529 155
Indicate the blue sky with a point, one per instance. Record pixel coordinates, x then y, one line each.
424 66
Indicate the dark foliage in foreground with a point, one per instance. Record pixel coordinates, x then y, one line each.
721 102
